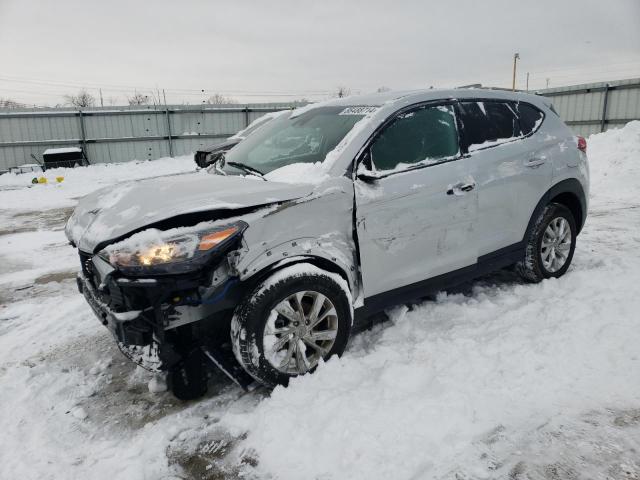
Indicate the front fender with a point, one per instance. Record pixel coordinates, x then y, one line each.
330 252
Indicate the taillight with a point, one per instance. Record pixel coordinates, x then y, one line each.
582 144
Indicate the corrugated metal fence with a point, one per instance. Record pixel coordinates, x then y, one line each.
119 134
596 107
116 134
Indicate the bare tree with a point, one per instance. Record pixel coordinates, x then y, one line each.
217 99
8 103
157 97
342 91
82 99
138 99
383 89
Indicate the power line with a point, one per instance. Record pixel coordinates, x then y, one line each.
128 88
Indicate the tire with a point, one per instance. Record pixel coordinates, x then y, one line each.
188 379
256 325
537 264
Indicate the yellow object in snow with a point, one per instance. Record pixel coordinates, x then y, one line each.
59 179
42 180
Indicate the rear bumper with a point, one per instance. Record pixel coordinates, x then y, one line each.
129 328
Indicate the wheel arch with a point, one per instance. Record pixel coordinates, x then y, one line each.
567 192
321 262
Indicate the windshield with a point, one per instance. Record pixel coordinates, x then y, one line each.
252 128
305 138
256 124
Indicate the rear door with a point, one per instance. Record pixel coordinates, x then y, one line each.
416 219
510 166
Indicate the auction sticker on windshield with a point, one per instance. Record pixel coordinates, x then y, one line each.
358 110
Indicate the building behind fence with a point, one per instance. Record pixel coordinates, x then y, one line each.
116 134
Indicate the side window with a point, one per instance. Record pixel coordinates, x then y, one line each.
425 135
530 117
489 122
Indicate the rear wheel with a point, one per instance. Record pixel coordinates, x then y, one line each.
550 244
290 323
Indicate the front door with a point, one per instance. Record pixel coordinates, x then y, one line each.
416 219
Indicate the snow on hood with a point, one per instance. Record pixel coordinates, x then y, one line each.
113 212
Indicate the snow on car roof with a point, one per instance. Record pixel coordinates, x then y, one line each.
372 99
391 97
62 150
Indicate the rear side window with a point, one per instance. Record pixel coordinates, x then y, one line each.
486 123
530 117
425 135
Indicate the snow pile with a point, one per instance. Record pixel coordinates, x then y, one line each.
18 193
312 173
412 400
614 161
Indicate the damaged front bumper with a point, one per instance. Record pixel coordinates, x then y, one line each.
148 338
128 328
173 314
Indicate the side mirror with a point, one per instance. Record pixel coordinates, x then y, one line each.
367 176
365 172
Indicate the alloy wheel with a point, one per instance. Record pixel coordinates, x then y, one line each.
300 330
556 244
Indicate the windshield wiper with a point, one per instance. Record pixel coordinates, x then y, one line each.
247 169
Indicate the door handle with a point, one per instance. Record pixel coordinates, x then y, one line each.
461 188
535 162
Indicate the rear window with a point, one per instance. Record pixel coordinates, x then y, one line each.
530 117
487 123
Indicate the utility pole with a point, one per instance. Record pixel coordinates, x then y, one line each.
548 82
516 56
101 101
527 81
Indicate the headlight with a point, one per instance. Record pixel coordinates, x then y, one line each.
173 251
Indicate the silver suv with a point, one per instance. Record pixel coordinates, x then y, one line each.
264 265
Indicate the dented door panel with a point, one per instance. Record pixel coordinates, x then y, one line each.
410 228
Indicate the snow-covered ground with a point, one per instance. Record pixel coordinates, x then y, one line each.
497 379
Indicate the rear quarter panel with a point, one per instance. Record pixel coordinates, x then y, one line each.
568 161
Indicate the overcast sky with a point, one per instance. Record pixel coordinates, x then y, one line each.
282 50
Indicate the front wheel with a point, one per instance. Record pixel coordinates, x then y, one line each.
550 244
188 379
288 324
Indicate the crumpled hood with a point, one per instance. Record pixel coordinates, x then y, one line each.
113 212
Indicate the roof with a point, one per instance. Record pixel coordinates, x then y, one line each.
49 151
411 96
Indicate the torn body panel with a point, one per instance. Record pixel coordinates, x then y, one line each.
302 229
